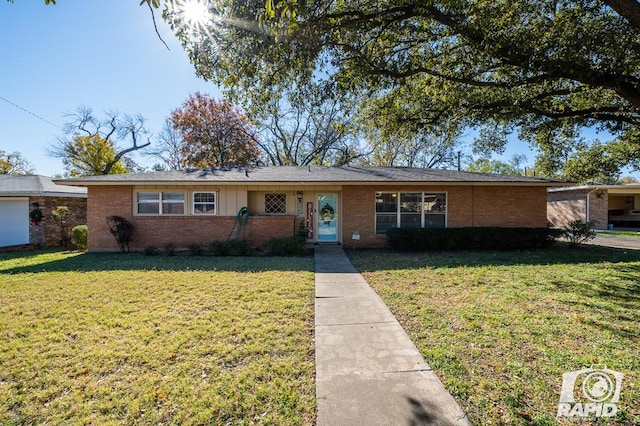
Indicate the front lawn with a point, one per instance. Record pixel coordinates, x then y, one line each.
621 233
500 328
128 339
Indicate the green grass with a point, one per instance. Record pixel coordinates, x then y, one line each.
621 233
128 339
500 328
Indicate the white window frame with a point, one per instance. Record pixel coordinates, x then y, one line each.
423 213
160 201
193 203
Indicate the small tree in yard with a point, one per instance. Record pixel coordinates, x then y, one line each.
59 215
121 230
578 231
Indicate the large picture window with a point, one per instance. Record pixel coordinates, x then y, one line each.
160 203
204 203
410 210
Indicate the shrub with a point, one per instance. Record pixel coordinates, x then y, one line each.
486 238
170 249
288 246
150 251
578 231
79 236
230 248
218 248
238 248
195 250
121 229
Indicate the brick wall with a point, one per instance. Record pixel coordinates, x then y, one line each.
181 231
566 206
513 206
106 201
49 232
599 208
506 206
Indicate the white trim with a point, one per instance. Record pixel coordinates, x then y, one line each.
193 203
160 202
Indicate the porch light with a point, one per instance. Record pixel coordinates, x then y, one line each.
299 194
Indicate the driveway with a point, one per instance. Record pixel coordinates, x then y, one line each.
616 241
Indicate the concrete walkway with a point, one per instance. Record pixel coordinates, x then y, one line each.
368 372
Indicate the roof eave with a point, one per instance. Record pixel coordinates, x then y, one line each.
305 183
44 194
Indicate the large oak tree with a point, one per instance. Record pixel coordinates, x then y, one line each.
537 66
545 68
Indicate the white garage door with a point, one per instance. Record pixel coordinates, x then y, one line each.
14 221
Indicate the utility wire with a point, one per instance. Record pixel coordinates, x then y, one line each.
30 113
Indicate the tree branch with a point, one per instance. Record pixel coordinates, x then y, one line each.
628 9
155 26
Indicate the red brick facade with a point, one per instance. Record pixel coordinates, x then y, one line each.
502 206
467 205
181 231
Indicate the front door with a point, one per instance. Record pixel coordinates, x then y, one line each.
327 223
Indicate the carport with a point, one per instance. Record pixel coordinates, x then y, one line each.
616 205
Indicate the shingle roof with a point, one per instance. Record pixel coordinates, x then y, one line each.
34 185
306 174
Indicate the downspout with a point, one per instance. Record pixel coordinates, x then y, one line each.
588 203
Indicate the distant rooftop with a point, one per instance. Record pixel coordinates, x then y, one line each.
307 175
34 185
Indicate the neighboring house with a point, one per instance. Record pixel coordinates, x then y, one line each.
616 205
20 195
327 204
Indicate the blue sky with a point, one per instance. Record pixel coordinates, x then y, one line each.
102 54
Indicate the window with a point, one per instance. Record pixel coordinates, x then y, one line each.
386 212
204 203
275 203
160 203
435 210
410 210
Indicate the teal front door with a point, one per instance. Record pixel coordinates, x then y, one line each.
327 224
